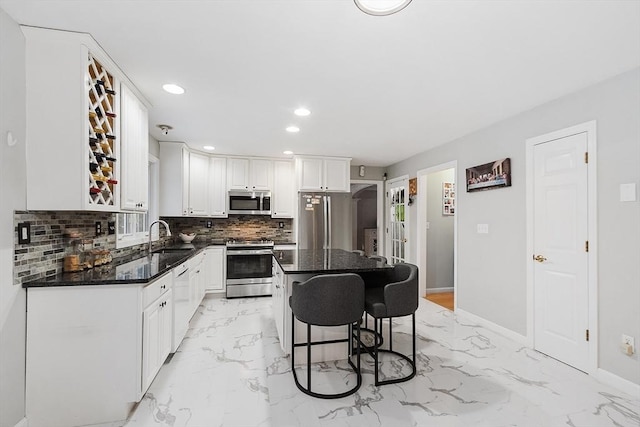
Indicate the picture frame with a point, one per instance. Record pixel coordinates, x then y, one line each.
448 198
489 176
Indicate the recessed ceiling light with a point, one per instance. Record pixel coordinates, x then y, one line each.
288 153
381 7
209 147
293 129
302 112
173 88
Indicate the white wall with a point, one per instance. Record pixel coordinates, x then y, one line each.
12 197
439 272
492 267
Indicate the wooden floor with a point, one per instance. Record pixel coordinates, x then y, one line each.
444 299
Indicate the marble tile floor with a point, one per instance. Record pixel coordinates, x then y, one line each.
229 371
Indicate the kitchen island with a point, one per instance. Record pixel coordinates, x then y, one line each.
299 265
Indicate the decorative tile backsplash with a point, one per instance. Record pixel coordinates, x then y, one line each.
250 227
44 256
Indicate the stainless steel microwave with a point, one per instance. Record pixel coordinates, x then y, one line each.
250 202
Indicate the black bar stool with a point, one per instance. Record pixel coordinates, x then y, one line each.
327 300
397 298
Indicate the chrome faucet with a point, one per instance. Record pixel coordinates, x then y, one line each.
151 225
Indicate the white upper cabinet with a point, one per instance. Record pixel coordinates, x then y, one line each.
260 174
134 147
73 96
191 183
218 187
198 184
174 179
238 174
283 199
249 174
323 174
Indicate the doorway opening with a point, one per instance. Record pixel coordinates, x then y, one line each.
366 217
437 234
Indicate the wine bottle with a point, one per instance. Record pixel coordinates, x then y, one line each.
110 159
92 115
110 92
99 156
94 190
98 130
98 178
105 147
112 181
110 114
106 168
93 167
99 112
109 136
98 87
93 141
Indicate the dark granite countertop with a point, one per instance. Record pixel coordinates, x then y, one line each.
138 268
305 261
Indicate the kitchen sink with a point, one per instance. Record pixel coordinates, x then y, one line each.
171 251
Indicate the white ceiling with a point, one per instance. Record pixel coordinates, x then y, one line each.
380 89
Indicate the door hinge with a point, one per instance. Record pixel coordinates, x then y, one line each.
586 157
586 246
587 335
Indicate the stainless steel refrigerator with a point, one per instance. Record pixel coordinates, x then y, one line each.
324 221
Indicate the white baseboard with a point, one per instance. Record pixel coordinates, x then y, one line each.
620 383
22 423
520 339
438 290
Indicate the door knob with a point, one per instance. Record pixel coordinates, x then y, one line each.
539 258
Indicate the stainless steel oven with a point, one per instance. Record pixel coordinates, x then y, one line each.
249 268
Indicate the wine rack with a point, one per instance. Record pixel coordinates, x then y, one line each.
102 126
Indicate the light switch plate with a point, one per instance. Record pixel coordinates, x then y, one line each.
24 233
483 228
628 192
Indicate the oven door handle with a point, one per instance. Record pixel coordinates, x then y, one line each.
249 252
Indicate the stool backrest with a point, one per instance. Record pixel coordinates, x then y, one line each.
401 294
328 299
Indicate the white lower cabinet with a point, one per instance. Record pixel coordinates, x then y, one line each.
215 269
92 345
157 331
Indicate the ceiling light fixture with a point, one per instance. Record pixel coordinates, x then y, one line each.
288 153
302 112
381 7
293 129
173 88
209 147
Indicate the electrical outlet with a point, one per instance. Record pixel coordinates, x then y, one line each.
628 345
209 224
111 227
98 228
281 224
24 233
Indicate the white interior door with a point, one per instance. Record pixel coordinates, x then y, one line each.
397 219
560 258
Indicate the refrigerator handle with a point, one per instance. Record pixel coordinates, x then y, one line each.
329 213
325 233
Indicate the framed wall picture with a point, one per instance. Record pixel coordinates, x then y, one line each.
448 198
489 176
